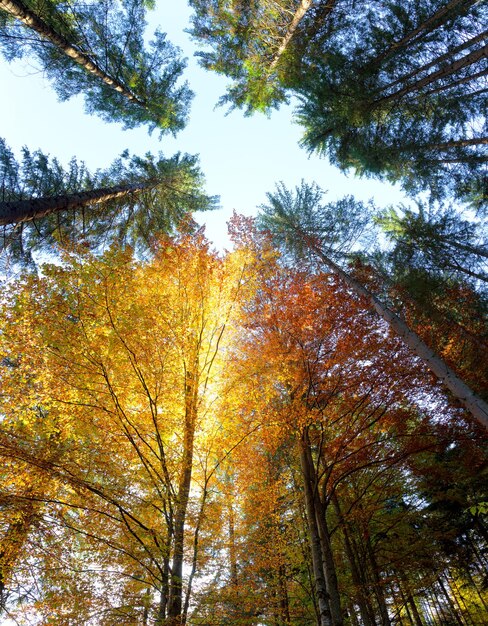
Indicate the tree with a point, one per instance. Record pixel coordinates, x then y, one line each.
297 220
137 351
98 49
388 89
43 204
440 239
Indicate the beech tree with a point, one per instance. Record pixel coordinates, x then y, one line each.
97 49
136 351
197 439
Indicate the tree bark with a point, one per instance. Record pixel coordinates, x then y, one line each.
16 211
290 31
361 598
175 603
422 29
378 585
457 143
22 13
452 68
471 401
325 618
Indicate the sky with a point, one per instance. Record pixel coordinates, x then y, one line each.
241 157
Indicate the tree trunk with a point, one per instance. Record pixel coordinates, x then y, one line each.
458 143
325 618
290 31
175 603
232 547
21 12
452 68
473 403
362 600
378 585
16 211
431 23
329 565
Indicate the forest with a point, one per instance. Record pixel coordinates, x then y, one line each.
289 432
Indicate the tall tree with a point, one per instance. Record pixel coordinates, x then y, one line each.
98 49
139 354
389 89
297 221
131 201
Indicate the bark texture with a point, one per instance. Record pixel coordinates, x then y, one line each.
31 20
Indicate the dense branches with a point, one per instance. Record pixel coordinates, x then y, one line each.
97 49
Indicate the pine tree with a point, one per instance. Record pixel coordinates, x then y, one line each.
43 204
98 49
392 90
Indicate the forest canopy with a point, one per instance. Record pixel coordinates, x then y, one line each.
291 432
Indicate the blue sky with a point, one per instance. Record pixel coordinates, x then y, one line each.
242 158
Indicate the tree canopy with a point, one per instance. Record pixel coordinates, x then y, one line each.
388 89
292 432
97 49
44 204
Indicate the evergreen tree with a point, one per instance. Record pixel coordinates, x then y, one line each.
98 49
438 240
43 204
388 89
298 222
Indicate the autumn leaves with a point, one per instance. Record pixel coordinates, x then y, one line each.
174 434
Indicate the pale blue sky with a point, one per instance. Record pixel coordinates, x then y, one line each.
242 158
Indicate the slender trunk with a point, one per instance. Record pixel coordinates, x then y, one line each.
329 565
324 617
290 31
458 598
284 601
440 59
22 13
448 70
361 598
453 610
430 24
232 547
176 587
378 585
195 553
474 584
456 83
458 143
410 600
473 403
13 212
163 594
405 605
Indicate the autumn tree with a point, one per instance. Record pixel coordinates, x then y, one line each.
341 403
97 49
123 361
299 222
